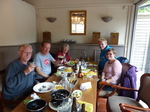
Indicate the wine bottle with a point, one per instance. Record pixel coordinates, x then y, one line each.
83 108
80 73
74 107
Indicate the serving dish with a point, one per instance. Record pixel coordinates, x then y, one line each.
77 94
58 96
44 87
37 105
61 68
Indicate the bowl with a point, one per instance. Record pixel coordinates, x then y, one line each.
77 94
58 96
37 105
61 68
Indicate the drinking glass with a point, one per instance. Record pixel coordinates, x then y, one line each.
60 57
65 106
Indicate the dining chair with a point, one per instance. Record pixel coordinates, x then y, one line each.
4 103
126 104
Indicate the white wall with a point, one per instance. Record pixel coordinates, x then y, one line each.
17 23
60 28
119 9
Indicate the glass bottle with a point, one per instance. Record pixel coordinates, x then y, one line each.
80 73
74 106
83 108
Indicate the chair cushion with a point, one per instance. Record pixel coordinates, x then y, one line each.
106 93
114 101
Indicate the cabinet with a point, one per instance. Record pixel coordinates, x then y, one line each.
96 36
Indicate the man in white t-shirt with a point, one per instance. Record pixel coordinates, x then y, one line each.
43 60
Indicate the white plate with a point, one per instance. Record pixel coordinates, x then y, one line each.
61 68
44 87
52 107
77 94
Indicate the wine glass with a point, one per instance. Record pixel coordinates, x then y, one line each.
60 57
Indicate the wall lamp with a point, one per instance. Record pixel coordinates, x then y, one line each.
107 19
51 19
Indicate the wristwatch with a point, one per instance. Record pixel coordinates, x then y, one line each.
105 80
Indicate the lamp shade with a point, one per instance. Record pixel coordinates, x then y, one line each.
107 19
51 19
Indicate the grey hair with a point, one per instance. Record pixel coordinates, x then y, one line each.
23 45
65 45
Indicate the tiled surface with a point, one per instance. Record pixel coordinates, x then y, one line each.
101 105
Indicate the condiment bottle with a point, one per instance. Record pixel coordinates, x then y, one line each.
74 106
80 73
83 108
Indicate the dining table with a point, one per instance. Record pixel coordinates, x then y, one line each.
89 95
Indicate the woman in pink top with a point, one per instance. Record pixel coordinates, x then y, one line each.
112 69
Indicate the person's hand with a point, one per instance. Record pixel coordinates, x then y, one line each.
57 62
103 80
30 68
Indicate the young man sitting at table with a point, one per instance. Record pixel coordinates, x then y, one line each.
20 76
43 61
103 45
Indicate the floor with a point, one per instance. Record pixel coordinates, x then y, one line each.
101 105
7 109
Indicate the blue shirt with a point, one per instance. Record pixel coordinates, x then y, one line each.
102 58
17 83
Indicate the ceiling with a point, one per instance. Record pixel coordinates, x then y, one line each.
47 3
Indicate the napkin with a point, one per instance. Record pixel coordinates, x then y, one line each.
86 85
88 106
35 96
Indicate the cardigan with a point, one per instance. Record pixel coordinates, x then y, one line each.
129 80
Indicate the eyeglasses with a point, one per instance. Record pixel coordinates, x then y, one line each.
26 52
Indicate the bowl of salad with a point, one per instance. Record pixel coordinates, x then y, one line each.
77 94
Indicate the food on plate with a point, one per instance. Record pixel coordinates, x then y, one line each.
91 64
73 81
77 94
58 87
85 70
44 88
58 73
92 73
71 63
68 69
